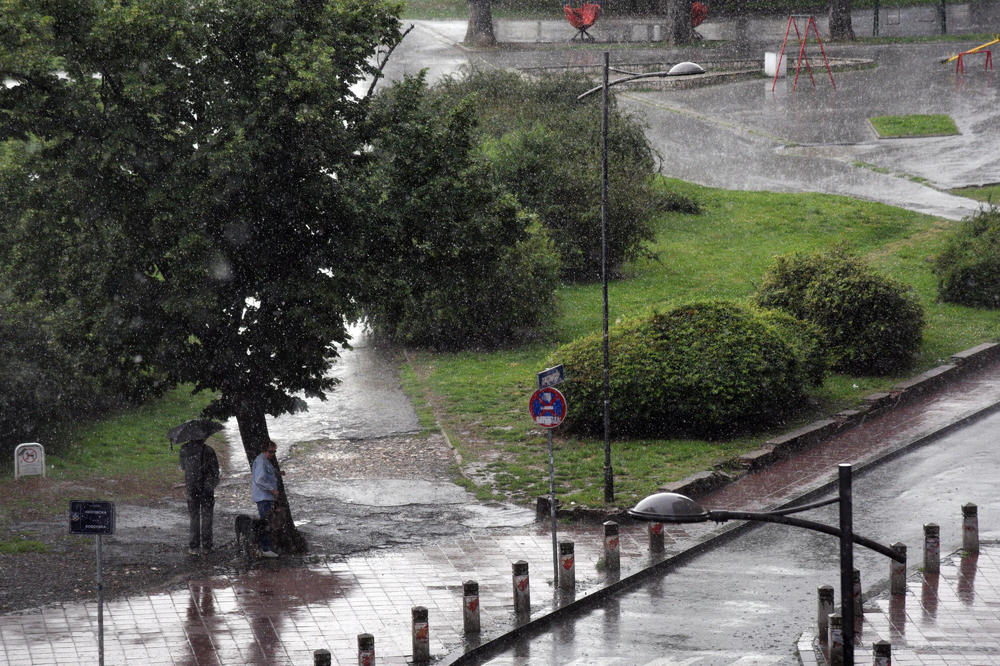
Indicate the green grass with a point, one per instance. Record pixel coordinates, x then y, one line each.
913 125
481 398
22 544
989 193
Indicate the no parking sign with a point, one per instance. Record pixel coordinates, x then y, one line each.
548 407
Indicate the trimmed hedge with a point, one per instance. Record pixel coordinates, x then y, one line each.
703 369
968 269
871 323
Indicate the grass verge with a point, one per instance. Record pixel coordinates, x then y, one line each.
913 125
481 398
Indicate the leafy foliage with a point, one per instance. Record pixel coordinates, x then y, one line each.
458 263
709 368
871 323
177 207
968 268
546 147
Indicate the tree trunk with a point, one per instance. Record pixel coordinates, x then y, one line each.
253 432
480 30
840 20
678 21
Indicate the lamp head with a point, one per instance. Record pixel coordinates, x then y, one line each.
669 508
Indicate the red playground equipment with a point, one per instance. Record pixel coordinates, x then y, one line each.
803 58
582 18
698 13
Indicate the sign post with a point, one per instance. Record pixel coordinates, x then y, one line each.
548 409
97 518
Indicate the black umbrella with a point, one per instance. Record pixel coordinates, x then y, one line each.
192 430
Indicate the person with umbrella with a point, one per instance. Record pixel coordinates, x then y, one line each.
201 476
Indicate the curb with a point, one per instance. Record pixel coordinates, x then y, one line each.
970 359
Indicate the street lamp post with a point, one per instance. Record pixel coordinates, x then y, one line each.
676 508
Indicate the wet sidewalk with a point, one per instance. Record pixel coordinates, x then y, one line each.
281 612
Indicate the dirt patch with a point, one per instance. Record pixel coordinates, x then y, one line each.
148 552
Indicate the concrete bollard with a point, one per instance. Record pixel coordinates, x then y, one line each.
612 552
970 528
470 607
882 653
522 588
836 640
421 635
655 537
366 650
824 607
897 571
859 608
321 658
932 548
567 565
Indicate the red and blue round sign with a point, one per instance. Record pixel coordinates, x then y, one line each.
548 407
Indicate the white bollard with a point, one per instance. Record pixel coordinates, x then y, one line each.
421 635
612 552
932 548
470 607
970 528
897 571
522 588
567 565
824 607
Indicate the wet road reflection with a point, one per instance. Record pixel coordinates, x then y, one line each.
748 601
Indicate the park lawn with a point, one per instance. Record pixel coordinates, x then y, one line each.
914 125
480 399
118 457
988 193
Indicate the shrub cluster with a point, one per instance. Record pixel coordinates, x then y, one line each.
871 324
456 262
546 149
968 269
704 369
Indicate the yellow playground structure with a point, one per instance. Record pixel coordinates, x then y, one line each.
982 48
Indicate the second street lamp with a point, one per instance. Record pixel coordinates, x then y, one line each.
675 508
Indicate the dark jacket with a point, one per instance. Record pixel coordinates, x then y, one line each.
200 465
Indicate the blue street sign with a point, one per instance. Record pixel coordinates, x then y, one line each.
551 377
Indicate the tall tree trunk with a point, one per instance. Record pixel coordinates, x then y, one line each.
480 30
840 20
253 432
678 21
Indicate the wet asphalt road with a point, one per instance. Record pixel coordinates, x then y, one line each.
749 601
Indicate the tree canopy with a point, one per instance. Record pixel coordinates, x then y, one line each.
172 189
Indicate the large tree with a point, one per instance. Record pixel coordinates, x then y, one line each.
183 213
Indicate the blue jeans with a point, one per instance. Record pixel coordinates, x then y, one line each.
264 508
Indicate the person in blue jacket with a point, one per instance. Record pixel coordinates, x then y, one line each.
264 491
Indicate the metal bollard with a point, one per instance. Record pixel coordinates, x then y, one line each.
421 635
612 552
932 548
882 653
470 607
366 650
321 658
836 640
897 571
970 528
655 537
824 607
567 565
858 605
522 588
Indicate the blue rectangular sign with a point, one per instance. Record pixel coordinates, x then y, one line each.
87 517
551 377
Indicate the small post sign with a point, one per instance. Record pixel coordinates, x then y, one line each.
88 517
29 459
98 519
551 377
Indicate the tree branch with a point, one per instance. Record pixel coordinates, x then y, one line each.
381 65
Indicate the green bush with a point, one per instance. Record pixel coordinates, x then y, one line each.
546 149
704 369
871 324
457 262
968 269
